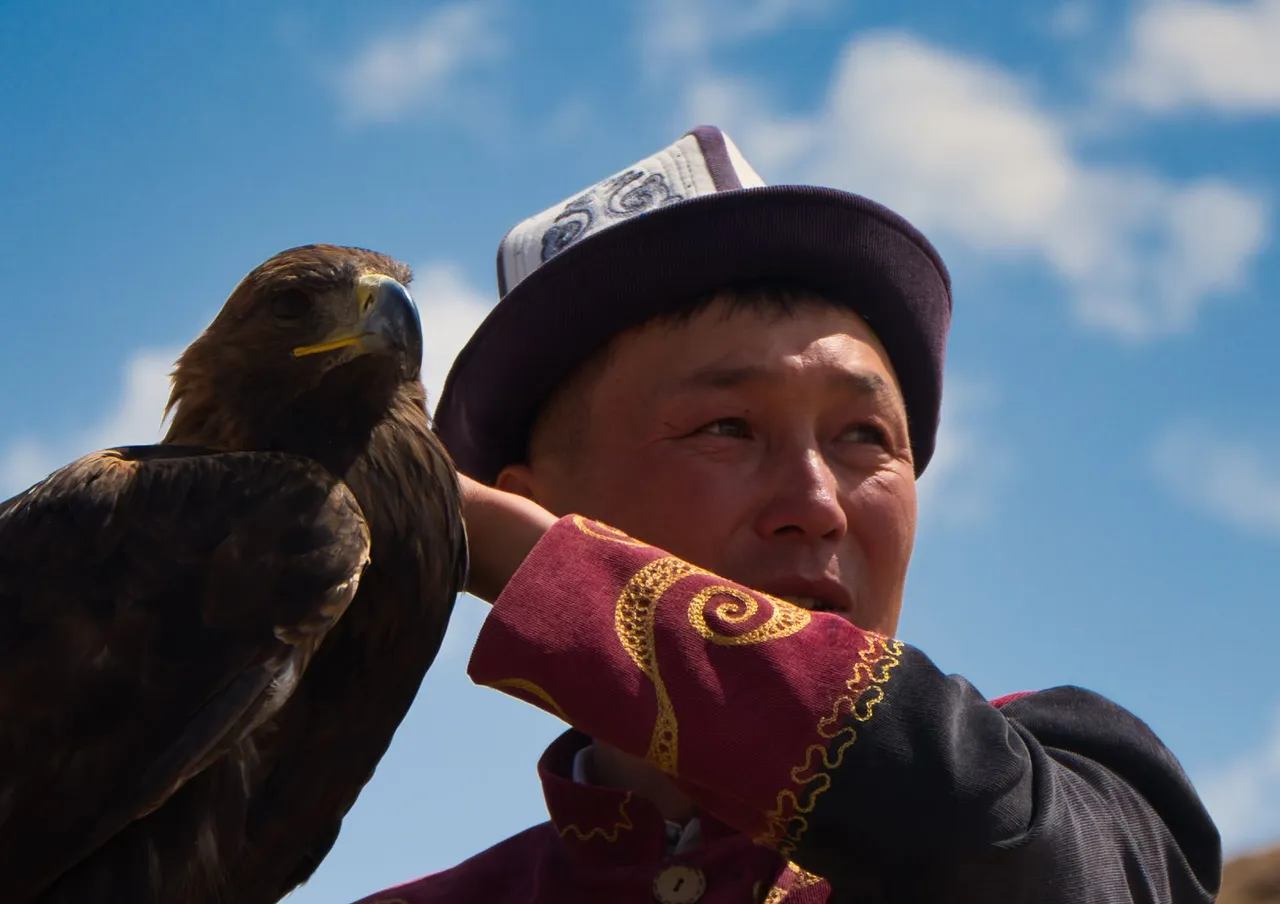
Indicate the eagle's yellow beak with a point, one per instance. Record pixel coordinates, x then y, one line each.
386 320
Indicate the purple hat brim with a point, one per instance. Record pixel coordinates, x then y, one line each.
849 249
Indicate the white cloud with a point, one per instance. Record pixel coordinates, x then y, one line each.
451 309
1244 796
678 32
135 419
1223 476
1072 19
776 143
1196 53
969 462
960 147
418 68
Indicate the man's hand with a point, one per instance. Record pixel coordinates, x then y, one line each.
502 529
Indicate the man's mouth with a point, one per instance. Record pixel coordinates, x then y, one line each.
808 602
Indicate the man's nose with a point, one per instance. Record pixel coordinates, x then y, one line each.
805 499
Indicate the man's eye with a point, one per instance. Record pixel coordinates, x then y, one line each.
867 433
732 427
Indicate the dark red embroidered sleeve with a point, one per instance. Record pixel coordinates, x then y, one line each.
850 753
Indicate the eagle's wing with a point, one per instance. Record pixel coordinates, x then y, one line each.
156 603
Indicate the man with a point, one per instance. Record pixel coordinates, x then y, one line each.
749 379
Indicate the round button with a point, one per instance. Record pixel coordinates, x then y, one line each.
679 884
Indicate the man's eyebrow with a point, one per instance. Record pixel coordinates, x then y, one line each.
717 376
722 376
866 383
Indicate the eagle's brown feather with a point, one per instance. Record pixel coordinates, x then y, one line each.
193 688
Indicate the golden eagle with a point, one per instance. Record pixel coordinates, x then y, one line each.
207 644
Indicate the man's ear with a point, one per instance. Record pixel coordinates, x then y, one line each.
518 479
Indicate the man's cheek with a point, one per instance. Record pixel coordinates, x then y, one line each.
887 501
885 527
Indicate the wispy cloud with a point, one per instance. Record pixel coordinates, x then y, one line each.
1202 54
451 309
1244 795
1225 477
680 32
970 463
1072 19
135 418
417 69
961 147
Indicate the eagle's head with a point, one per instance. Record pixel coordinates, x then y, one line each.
312 348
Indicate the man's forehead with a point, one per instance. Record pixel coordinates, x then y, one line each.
850 378
726 342
728 374
730 329
762 309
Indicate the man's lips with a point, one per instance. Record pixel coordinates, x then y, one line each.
820 595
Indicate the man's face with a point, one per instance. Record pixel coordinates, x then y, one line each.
770 449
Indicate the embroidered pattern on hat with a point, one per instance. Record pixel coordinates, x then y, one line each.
625 195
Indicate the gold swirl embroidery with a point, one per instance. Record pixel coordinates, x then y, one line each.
871 671
633 621
785 619
803 879
604 532
524 684
611 834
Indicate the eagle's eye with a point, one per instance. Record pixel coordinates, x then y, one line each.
290 304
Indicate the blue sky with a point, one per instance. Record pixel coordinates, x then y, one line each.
1104 509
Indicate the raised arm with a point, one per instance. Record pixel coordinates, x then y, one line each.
848 752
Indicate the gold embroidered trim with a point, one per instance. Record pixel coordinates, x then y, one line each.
871 671
634 624
604 532
803 879
611 834
633 621
524 684
784 618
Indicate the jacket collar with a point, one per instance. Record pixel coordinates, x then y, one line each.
606 823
